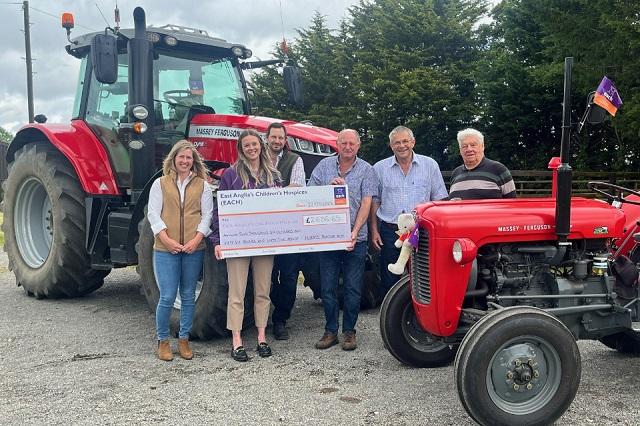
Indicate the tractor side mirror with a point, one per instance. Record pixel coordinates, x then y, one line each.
104 58
293 84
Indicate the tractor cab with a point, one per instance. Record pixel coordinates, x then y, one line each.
190 71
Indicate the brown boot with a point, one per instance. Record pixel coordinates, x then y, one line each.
164 350
184 350
327 340
349 341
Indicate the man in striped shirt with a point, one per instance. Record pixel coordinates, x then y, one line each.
479 177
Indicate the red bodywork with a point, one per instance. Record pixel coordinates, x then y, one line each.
87 155
82 148
632 212
483 222
215 135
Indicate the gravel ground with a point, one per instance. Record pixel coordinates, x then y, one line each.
90 360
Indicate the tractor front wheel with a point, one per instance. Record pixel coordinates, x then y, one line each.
45 226
517 366
403 337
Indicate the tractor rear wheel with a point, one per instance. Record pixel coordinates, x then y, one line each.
517 366
210 317
403 337
45 226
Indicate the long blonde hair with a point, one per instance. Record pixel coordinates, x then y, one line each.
267 174
198 167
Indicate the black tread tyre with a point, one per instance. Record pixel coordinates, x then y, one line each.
210 317
626 342
517 366
44 225
403 337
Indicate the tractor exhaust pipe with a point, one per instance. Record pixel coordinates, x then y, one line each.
141 93
563 190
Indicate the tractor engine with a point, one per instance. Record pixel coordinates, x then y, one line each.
523 273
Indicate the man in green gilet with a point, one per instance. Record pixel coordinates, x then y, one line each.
284 278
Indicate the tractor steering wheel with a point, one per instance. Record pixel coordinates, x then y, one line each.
618 195
176 96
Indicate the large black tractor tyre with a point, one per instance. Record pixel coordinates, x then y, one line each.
44 225
310 267
403 337
210 317
626 342
517 366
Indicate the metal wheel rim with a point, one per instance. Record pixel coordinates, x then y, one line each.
178 302
33 222
523 400
415 336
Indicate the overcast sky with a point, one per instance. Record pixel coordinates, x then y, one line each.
254 23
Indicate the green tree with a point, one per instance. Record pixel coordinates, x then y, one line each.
415 64
523 83
5 135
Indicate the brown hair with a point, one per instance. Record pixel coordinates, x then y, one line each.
266 172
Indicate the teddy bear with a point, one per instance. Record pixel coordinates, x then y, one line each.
408 232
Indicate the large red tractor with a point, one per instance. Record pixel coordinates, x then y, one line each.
76 193
506 287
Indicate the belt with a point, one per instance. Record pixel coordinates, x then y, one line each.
389 225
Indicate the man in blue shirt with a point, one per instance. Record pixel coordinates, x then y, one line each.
358 175
405 180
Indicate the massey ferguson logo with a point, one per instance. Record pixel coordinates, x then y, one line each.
215 132
526 227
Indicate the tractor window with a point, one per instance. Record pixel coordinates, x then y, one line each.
79 88
182 83
106 108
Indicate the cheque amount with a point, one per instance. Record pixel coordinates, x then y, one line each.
324 219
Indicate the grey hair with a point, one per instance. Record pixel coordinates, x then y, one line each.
355 132
463 134
399 129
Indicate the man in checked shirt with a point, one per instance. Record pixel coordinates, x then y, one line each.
405 180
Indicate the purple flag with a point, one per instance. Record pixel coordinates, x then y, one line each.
607 96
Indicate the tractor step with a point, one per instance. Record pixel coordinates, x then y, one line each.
635 326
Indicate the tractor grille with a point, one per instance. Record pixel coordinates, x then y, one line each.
420 270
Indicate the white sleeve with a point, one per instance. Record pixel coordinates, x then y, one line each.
154 208
297 173
206 210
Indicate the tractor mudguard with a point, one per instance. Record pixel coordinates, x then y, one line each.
80 146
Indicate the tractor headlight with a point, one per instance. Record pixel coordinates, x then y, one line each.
457 251
237 50
140 112
463 251
170 41
247 53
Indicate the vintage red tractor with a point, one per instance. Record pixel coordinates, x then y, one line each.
76 193
506 287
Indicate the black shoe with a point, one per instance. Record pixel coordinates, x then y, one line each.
263 350
239 354
280 331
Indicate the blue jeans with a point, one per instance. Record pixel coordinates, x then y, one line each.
284 281
388 254
176 271
352 265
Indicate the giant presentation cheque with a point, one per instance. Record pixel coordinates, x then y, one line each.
258 222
